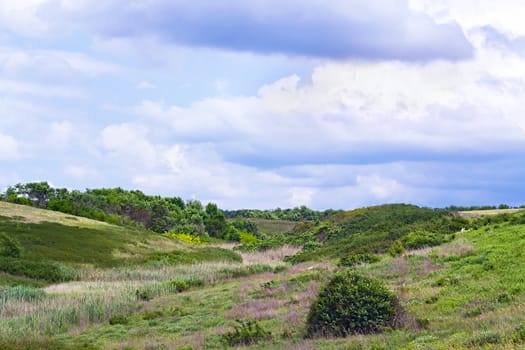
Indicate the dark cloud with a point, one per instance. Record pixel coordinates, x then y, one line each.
335 30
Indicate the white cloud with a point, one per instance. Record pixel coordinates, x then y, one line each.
9 148
22 17
60 134
52 63
301 196
128 144
81 172
16 87
506 16
145 85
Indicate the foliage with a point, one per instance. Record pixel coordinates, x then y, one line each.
396 249
118 319
295 214
186 238
195 256
357 259
246 333
247 238
9 247
215 221
122 207
178 285
39 270
421 238
246 226
351 303
143 295
375 230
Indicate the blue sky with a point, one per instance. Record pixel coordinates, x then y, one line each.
264 104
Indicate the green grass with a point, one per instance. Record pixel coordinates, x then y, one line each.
465 294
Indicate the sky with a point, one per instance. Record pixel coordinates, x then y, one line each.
267 103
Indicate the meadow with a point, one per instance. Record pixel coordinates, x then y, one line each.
465 293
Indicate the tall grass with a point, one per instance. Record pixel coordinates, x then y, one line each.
29 312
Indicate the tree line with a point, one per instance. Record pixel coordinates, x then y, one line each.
124 207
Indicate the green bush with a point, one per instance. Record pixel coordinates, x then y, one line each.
519 335
483 338
396 249
143 295
37 270
9 247
359 259
351 303
178 285
246 333
118 319
422 238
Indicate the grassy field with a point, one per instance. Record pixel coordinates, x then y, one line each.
466 294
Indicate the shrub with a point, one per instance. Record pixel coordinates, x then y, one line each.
421 238
143 295
37 269
9 247
246 333
396 249
483 338
118 319
519 335
359 259
351 303
247 238
185 237
178 285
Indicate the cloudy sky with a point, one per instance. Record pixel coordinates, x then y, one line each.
267 103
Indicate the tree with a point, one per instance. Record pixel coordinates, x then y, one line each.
39 193
215 221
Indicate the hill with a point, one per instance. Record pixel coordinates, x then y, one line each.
55 246
458 289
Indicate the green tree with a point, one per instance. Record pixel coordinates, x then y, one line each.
215 221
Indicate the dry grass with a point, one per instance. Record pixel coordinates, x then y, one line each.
458 247
34 215
474 214
270 256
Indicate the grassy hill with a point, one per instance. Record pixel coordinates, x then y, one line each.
53 236
57 246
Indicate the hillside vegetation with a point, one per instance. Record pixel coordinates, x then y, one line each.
68 282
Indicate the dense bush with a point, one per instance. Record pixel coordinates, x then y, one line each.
396 249
351 303
37 270
178 285
118 319
359 259
422 238
246 333
9 247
